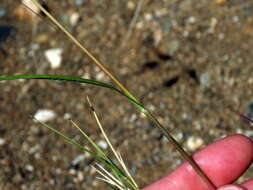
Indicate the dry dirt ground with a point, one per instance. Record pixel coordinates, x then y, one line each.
189 61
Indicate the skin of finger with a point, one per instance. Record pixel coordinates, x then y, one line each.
223 162
248 184
231 187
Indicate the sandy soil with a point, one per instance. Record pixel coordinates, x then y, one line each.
190 62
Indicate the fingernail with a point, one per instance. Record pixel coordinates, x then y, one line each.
231 187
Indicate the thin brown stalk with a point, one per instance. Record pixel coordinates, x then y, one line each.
85 50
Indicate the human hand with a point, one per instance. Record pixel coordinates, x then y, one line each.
223 162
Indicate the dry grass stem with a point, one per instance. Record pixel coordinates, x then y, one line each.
85 50
133 21
109 177
117 155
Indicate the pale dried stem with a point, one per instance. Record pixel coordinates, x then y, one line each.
133 21
118 156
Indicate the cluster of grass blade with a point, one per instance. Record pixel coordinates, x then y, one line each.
116 175
120 89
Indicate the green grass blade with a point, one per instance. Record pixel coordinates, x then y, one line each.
58 78
97 148
110 164
71 79
68 139
105 160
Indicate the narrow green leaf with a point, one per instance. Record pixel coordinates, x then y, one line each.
72 79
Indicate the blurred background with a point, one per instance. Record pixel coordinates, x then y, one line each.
190 62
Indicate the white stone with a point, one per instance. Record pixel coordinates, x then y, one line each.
2 141
192 19
45 115
54 57
80 158
72 172
34 149
102 144
193 143
132 118
130 5
100 76
29 168
148 16
205 80
86 75
74 18
67 116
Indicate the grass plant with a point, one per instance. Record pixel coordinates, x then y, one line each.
114 174
115 177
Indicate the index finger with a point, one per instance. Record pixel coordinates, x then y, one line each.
223 162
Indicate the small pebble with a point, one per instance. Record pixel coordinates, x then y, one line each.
249 133
80 176
86 75
54 57
58 170
148 16
235 19
103 144
41 38
221 2
74 18
151 107
191 20
130 5
179 136
65 19
133 118
158 36
2 141
67 116
72 171
79 2
80 158
2 12
213 24
193 143
29 168
173 46
52 182
100 76
45 115
34 149
37 155
205 80
139 25
55 158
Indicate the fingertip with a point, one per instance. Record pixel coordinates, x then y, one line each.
225 160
